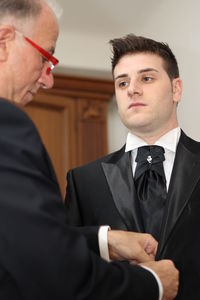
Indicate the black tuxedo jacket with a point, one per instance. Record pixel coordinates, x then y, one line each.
41 257
103 193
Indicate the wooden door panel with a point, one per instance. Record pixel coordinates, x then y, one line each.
54 122
72 121
92 129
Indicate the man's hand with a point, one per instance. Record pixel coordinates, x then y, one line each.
132 246
168 275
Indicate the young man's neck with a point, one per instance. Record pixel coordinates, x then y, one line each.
151 138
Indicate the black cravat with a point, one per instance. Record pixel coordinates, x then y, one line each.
150 184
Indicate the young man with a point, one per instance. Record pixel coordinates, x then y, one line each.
135 189
40 257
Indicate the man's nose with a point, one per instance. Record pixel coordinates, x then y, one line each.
46 79
134 88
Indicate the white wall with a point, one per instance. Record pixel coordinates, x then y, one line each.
176 22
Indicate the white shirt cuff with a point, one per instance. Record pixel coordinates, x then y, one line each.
160 286
103 242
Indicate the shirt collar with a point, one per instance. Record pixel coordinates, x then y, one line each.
167 141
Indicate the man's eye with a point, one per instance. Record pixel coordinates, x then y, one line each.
147 78
44 59
123 84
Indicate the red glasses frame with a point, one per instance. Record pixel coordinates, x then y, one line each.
49 57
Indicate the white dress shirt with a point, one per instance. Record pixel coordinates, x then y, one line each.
169 142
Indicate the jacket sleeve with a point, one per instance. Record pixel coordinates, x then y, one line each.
73 215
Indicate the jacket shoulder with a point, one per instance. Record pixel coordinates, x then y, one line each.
189 143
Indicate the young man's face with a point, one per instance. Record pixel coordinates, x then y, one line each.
27 66
146 97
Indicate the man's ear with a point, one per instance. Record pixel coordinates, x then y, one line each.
177 89
7 33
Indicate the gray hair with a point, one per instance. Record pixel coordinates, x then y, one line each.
55 7
23 9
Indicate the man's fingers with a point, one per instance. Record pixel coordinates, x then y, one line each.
144 257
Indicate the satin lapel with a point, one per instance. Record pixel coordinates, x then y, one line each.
185 175
120 180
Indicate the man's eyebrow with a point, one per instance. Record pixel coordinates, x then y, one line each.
121 76
139 72
147 70
124 75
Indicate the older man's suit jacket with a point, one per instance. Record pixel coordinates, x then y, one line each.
103 193
41 257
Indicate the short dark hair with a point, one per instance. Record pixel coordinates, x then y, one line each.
19 8
138 44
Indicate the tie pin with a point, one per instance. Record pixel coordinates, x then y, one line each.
149 159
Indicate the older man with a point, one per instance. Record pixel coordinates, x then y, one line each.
40 257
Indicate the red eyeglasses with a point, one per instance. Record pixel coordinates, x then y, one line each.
49 57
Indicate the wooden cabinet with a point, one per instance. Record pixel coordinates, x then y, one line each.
72 121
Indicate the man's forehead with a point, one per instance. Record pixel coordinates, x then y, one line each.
45 32
46 20
138 62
